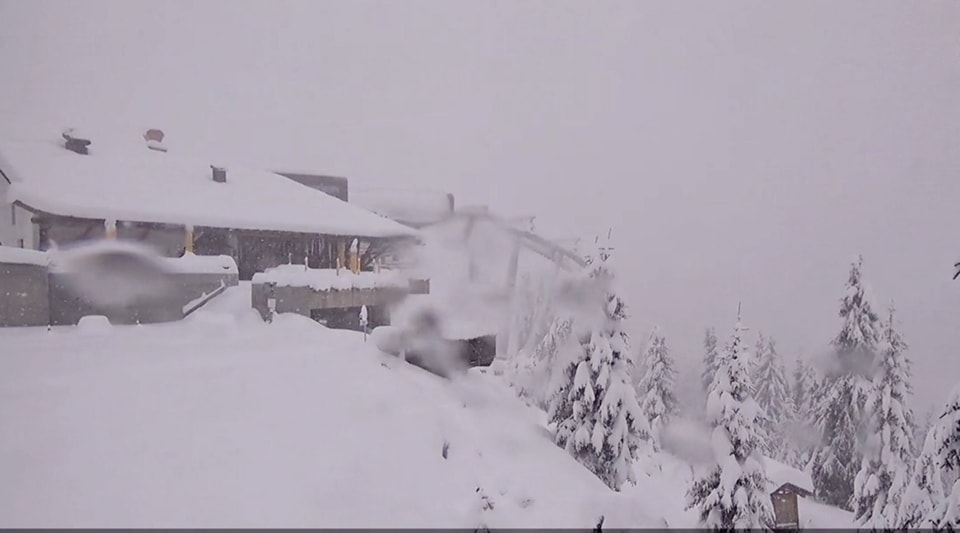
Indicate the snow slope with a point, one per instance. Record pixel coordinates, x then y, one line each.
815 515
220 421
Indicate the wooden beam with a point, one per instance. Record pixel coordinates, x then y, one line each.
188 239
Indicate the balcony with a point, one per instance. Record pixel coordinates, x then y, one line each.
332 294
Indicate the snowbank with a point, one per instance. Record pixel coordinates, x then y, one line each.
150 186
200 264
23 256
325 279
815 515
94 325
287 424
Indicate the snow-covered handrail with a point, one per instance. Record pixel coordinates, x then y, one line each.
325 279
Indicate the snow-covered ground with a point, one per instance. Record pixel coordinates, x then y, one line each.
222 420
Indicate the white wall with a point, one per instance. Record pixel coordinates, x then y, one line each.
15 222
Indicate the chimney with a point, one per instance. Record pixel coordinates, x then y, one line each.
74 142
219 174
154 138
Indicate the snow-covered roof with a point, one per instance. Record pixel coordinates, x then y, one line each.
778 474
23 256
145 185
411 206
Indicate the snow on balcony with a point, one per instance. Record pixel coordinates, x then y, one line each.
326 279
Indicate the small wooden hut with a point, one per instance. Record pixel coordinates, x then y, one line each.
785 508
786 484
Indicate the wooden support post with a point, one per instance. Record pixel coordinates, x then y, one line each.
188 239
355 256
110 229
341 254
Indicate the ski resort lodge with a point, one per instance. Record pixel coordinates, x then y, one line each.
57 192
52 192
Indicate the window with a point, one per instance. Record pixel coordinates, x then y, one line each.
20 242
13 215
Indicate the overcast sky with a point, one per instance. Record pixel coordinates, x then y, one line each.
741 151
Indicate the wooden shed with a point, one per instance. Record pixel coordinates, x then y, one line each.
786 484
785 508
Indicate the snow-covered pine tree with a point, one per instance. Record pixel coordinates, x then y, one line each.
841 397
532 374
922 425
800 431
526 307
804 385
657 386
594 405
759 350
540 329
709 359
946 516
888 451
925 489
733 494
776 404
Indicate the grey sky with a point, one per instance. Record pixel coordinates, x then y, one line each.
740 150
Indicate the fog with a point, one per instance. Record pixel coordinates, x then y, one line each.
739 151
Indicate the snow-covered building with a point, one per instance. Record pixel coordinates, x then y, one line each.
56 192
785 485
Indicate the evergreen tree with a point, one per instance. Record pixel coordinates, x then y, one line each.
534 339
922 425
531 375
528 302
594 404
804 384
925 490
709 359
733 494
800 431
842 396
776 404
888 451
657 386
759 351
947 513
